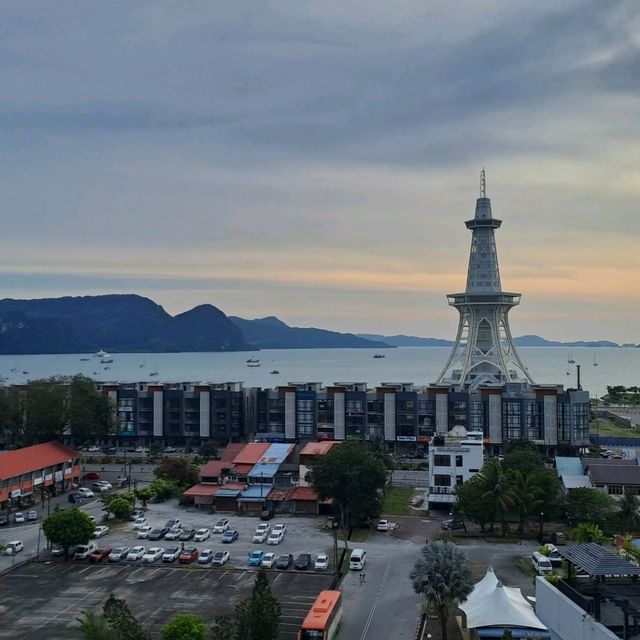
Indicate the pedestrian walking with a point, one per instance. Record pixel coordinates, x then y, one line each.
364 577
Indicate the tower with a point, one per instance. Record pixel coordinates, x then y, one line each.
483 352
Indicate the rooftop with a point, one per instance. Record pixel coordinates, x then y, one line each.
38 456
597 561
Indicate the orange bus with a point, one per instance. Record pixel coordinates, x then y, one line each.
323 621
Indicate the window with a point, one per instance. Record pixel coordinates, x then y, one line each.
459 480
459 460
615 490
441 481
441 461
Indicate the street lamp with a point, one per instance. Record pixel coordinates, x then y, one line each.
541 523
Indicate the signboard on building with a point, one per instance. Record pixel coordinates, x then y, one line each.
406 438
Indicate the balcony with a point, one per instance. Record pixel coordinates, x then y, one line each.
442 491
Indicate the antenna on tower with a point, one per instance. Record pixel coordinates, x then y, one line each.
483 184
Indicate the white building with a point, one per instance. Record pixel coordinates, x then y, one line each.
452 461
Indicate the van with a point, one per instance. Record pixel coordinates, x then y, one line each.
541 563
358 559
83 551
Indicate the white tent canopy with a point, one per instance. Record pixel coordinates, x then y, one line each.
491 604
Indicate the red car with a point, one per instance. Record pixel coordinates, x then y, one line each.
92 475
99 554
188 556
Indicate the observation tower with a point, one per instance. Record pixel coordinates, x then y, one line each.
483 352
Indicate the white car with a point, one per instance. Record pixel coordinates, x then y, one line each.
173 534
263 526
220 558
276 537
279 527
85 493
205 557
136 554
268 560
321 563
259 536
221 526
18 518
143 532
170 554
383 525
152 554
117 554
138 523
100 530
202 535
83 551
13 547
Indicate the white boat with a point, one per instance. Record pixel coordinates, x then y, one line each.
100 354
106 359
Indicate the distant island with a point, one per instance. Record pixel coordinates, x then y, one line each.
131 323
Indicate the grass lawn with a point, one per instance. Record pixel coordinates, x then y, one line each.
396 501
612 429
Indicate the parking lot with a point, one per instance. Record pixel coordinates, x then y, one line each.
42 600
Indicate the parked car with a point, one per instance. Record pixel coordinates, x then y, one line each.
143 532
187 556
101 487
170 449
4 520
303 561
220 558
453 524
32 515
56 551
83 551
85 493
139 523
92 475
279 527
75 498
206 556
152 554
321 563
275 537
187 534
157 534
174 523
171 554
557 537
284 561
553 554
136 553
100 554
255 558
119 553
13 547
266 514
221 526
230 536
19 518
173 534
202 535
100 530
383 525
259 536
135 514
268 560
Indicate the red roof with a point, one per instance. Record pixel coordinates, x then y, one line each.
39 456
243 469
202 490
303 493
214 468
317 448
251 453
231 451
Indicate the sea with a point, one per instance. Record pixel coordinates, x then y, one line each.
420 365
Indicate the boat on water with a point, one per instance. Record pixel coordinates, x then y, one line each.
253 364
252 360
274 371
570 360
100 354
84 359
106 359
153 373
378 355
595 362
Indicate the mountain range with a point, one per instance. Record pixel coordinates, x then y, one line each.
132 323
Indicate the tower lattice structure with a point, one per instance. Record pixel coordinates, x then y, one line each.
483 352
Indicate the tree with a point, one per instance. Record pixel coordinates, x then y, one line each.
94 626
223 629
589 505
119 506
144 495
209 449
68 528
443 576
89 414
522 455
156 449
497 491
588 532
185 626
258 617
526 495
628 512
380 451
122 621
353 478
162 489
471 502
180 470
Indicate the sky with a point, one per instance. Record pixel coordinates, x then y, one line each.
317 160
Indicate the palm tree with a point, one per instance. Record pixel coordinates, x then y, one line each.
94 626
628 513
526 495
496 490
380 451
443 576
588 532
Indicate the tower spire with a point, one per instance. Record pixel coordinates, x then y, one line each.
483 184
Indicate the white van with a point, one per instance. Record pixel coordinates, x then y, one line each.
358 559
541 563
83 551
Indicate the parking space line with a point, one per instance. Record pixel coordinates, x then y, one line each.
241 575
223 575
